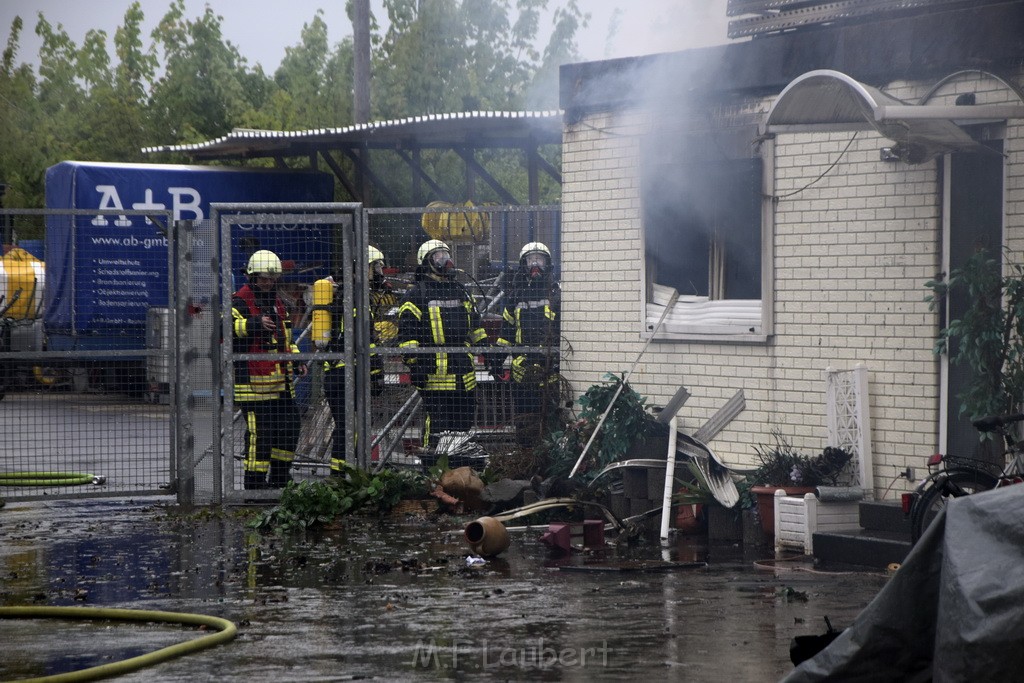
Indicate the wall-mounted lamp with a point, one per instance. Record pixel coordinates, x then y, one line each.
907 152
889 154
965 99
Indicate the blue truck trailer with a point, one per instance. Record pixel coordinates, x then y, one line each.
105 272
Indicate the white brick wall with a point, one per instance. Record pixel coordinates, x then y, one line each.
852 253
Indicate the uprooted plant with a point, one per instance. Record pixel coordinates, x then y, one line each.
308 504
627 422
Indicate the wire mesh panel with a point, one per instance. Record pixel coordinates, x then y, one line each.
85 356
465 362
295 373
346 352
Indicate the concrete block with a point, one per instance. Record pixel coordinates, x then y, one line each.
724 524
634 482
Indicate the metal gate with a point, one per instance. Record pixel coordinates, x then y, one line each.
384 422
313 241
84 411
139 398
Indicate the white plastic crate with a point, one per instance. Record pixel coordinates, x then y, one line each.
798 518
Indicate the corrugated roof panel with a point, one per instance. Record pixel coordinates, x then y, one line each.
447 129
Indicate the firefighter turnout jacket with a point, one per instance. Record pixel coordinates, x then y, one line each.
260 380
439 312
530 318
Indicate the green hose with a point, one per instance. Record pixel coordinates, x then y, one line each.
47 479
226 631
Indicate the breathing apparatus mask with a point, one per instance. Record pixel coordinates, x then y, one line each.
536 264
440 261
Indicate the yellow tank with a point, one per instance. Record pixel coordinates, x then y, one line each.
323 295
456 225
21 284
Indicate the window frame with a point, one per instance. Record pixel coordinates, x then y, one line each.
691 332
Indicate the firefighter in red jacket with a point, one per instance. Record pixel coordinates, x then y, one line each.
264 389
438 311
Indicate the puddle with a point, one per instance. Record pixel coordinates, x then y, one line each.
394 599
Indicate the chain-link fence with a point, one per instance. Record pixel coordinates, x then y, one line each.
84 360
468 353
178 358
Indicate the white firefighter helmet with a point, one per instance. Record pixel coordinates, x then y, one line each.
534 248
373 254
428 248
264 261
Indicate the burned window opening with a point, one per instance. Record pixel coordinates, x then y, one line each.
701 213
702 225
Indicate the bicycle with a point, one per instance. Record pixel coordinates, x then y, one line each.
953 477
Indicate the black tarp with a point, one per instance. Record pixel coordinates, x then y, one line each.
954 611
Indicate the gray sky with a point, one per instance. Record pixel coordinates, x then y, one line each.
261 29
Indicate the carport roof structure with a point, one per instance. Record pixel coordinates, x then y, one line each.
461 132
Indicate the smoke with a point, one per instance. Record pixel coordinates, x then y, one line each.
700 179
621 29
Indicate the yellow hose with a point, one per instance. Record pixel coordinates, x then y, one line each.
226 631
45 376
47 478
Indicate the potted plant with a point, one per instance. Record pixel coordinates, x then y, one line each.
782 466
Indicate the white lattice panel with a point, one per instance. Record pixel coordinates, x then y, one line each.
849 423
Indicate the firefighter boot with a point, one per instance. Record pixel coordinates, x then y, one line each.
279 474
255 480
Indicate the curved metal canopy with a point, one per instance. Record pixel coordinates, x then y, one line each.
826 100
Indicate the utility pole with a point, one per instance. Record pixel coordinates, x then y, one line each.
361 61
361 84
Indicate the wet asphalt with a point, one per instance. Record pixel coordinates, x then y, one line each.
392 598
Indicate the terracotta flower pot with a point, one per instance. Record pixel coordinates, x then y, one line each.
766 503
688 521
487 536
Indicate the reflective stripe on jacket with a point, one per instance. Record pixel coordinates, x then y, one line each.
440 313
530 318
259 380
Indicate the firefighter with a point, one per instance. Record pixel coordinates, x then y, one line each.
530 318
383 309
329 335
265 389
438 311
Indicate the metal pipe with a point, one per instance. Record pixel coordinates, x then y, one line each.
401 432
670 469
394 418
668 307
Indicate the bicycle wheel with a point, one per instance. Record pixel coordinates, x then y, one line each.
957 482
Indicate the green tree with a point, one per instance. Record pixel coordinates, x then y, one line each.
190 84
206 88
46 110
442 56
989 337
302 75
22 161
114 124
